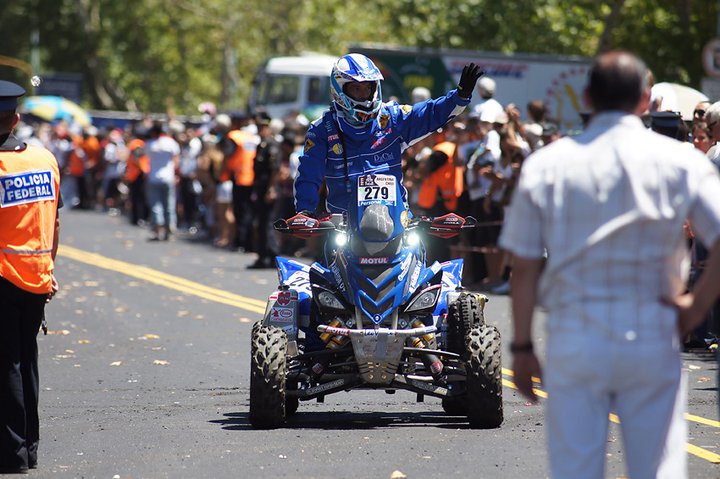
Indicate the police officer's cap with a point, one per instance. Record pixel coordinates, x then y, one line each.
9 94
665 119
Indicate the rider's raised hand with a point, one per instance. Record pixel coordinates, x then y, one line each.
468 79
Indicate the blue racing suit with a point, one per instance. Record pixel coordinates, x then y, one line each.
375 148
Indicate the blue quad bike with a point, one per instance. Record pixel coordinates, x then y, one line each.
374 315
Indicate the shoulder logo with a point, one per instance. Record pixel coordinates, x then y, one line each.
383 121
406 109
308 145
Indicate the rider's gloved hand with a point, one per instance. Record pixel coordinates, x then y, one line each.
468 79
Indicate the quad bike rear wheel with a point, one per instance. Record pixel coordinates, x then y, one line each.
268 355
484 378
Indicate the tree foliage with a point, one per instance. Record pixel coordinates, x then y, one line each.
170 55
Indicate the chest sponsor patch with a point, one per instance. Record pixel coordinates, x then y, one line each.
26 187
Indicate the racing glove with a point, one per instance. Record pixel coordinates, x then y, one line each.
468 79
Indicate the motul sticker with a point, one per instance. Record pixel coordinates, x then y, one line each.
373 261
26 187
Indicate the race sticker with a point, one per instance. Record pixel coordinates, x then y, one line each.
376 189
26 187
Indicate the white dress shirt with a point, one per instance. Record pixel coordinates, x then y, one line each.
608 206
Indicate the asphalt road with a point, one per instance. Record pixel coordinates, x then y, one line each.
145 374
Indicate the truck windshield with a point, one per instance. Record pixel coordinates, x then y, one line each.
280 89
318 92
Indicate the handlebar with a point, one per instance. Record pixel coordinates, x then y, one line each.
303 226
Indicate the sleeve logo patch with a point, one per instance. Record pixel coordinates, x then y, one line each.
406 109
308 145
26 187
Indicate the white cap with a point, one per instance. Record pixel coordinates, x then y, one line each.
487 85
419 93
223 121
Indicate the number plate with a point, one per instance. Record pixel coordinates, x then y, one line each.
377 189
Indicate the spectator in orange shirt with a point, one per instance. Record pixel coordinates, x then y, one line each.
135 172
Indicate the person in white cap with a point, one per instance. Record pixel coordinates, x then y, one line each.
488 105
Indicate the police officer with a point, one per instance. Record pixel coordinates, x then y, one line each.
29 229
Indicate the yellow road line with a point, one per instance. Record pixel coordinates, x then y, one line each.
702 420
703 453
691 448
163 279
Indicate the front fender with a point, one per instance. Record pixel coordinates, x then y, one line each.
451 281
296 275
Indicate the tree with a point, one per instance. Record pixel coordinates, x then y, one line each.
158 55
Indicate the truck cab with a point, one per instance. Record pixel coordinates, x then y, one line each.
300 84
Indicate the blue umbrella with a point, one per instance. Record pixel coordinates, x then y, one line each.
52 108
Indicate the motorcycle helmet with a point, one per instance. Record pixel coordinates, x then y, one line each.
355 68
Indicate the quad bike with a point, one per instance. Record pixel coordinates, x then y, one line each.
373 315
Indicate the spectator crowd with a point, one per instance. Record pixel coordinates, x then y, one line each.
230 177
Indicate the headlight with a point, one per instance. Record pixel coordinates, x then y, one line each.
425 300
341 240
413 239
328 300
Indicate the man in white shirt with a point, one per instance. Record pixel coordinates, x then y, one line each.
608 208
164 156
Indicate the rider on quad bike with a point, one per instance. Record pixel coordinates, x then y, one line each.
359 134
366 316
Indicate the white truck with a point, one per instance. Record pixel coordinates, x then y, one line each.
300 83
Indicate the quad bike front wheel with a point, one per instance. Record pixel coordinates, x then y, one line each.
463 314
267 377
484 378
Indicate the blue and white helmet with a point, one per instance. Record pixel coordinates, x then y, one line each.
355 68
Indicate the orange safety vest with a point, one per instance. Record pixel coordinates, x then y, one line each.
29 198
448 180
135 165
241 164
76 164
91 146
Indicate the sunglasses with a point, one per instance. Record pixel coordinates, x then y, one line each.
699 113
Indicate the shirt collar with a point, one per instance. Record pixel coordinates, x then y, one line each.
9 142
608 119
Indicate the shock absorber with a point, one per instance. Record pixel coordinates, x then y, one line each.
331 342
325 337
431 361
423 340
